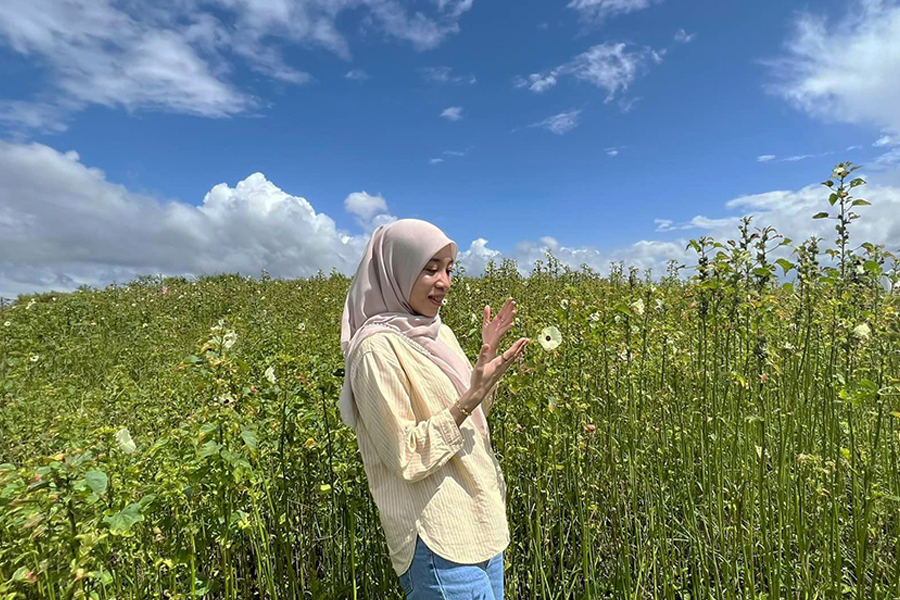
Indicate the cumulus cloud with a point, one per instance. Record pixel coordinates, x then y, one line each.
63 224
370 211
177 55
610 66
790 212
844 69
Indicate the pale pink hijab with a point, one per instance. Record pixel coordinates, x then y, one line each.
378 300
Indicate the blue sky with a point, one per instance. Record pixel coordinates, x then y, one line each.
601 129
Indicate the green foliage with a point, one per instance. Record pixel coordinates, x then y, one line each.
731 435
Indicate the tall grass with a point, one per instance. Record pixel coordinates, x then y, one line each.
725 436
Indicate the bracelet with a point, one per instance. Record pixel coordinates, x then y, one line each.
465 412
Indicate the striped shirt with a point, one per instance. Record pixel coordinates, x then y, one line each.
427 475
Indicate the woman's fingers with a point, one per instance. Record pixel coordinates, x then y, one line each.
513 352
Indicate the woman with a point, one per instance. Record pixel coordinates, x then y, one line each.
419 410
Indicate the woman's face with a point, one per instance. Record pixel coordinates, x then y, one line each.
433 282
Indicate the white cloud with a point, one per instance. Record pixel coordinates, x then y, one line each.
765 158
602 9
886 140
790 212
177 55
683 37
21 116
444 75
453 153
370 211
62 224
452 113
611 66
477 256
797 158
845 70
536 82
357 75
612 152
889 158
560 123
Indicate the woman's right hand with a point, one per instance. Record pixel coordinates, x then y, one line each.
487 372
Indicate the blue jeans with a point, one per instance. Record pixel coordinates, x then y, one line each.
431 577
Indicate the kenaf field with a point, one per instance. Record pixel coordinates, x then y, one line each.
725 431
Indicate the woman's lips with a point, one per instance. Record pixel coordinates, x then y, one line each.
435 302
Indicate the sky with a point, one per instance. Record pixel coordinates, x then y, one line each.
181 137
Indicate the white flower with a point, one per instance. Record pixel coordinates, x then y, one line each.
30 304
638 306
229 339
839 172
564 303
124 440
7 324
862 332
301 327
144 325
550 338
659 304
595 317
270 374
35 358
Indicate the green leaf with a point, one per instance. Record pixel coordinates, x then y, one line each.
206 429
832 199
123 438
124 520
97 480
857 181
249 437
828 183
861 202
208 449
820 215
785 264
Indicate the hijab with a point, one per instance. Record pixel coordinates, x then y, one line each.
378 300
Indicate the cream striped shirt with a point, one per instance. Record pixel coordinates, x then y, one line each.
426 474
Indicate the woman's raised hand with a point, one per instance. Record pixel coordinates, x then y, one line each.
487 371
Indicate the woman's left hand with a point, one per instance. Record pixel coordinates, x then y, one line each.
493 330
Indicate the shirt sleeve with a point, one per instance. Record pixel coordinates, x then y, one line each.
413 450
